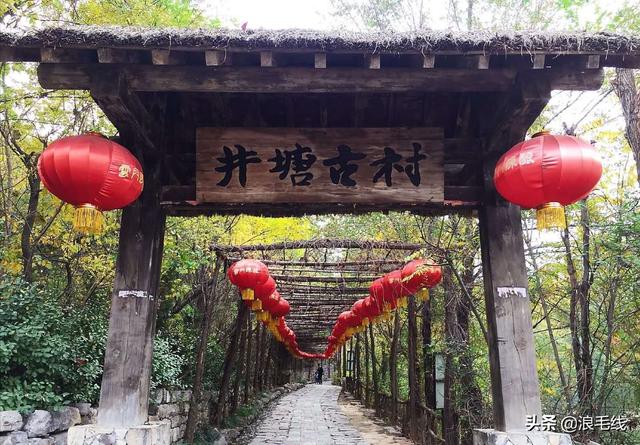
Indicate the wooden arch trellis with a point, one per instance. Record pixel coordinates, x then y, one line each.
324 278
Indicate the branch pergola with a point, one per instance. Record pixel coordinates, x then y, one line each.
318 291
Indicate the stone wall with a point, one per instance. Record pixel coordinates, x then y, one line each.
43 427
173 407
50 427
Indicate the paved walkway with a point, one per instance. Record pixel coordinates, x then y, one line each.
309 416
312 416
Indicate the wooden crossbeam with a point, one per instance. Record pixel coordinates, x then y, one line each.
325 243
281 79
310 80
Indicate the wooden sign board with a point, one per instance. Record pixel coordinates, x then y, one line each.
319 165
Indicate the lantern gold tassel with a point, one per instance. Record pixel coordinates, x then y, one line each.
87 219
550 216
247 294
423 294
256 305
262 316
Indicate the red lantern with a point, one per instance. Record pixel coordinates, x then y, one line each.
93 174
376 292
360 310
281 309
268 306
247 274
393 289
546 173
262 292
417 276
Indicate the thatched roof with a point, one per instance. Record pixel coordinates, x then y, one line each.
425 42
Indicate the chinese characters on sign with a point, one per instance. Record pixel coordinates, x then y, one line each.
297 165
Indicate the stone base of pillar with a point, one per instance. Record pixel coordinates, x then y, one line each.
493 437
155 433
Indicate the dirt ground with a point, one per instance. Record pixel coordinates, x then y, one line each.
373 430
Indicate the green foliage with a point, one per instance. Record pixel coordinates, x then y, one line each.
47 357
167 364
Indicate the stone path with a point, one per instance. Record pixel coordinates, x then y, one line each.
309 416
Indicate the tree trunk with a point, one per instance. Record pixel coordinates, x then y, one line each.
229 359
27 228
625 87
248 363
367 384
579 320
374 371
201 350
450 417
240 364
393 367
428 364
412 359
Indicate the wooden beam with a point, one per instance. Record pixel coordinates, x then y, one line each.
428 61
125 110
12 54
115 55
373 61
593 61
216 57
281 80
66 55
538 61
324 243
320 60
267 59
513 118
167 57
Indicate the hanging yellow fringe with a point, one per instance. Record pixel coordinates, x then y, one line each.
423 294
550 216
247 294
256 305
365 322
403 302
262 316
87 219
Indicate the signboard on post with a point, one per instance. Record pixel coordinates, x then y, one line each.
320 165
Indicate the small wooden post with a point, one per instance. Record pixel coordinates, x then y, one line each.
514 378
124 394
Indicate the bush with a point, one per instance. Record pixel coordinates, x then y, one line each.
47 357
167 364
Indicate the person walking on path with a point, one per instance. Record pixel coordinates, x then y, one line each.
319 373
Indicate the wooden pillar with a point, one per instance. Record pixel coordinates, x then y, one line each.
124 393
514 379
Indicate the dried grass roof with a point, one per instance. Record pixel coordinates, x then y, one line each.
426 42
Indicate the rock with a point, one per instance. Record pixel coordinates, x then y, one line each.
166 411
10 421
41 441
84 408
90 418
64 419
38 423
220 441
14 438
60 438
177 421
